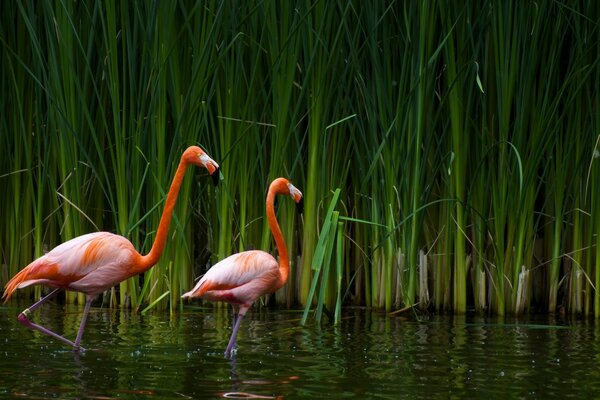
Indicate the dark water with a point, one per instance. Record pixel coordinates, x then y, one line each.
370 355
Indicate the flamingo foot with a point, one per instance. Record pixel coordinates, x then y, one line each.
23 318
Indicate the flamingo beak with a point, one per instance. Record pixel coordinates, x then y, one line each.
209 164
300 205
215 176
297 196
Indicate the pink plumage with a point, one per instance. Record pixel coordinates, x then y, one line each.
95 262
242 278
89 264
239 279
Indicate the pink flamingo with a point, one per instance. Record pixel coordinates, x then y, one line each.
95 262
242 278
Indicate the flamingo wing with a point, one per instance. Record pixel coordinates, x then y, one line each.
236 271
75 263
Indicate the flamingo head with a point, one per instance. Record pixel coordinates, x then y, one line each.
195 155
283 186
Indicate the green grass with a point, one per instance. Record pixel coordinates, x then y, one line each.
457 145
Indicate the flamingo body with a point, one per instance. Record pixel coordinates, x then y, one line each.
239 279
242 278
89 264
95 262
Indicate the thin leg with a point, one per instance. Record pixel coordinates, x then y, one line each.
23 318
236 314
86 310
24 321
42 301
233 336
25 314
236 311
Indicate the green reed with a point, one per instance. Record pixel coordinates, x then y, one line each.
593 188
462 138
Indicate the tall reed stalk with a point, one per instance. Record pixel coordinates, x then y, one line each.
447 152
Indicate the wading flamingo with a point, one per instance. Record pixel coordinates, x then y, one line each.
242 278
93 263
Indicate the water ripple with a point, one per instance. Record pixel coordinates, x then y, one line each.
369 355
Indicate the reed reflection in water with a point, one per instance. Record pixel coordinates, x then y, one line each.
369 355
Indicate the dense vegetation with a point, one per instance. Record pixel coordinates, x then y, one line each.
462 136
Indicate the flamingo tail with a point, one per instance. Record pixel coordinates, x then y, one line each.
197 291
39 271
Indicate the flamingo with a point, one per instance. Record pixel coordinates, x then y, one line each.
242 278
95 262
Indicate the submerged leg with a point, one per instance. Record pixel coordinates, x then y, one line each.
236 314
23 319
25 322
233 335
86 310
25 314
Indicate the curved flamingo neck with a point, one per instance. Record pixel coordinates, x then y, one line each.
158 246
284 259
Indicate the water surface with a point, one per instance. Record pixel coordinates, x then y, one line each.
370 355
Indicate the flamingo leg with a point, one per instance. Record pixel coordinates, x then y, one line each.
236 311
23 318
41 301
233 335
86 310
236 314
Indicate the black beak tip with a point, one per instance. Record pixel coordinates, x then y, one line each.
300 206
215 176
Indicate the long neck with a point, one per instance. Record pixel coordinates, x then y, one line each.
158 246
284 259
